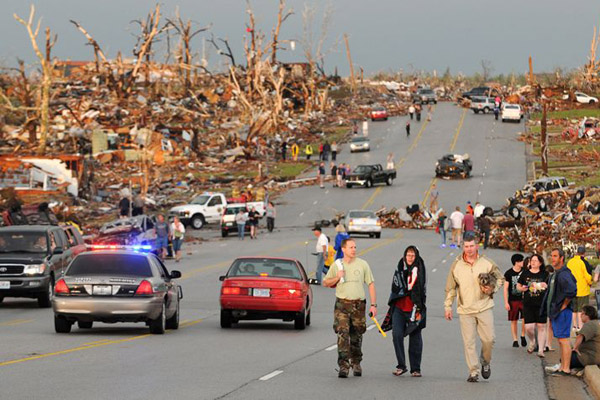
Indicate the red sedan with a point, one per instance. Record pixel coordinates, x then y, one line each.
378 113
258 288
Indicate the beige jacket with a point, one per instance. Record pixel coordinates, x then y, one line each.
463 281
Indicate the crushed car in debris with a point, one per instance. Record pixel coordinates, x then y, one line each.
454 166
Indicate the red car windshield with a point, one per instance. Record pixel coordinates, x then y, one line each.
264 267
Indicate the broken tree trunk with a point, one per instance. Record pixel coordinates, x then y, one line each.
544 138
352 78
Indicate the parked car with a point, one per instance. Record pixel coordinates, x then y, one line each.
547 184
454 165
512 112
583 98
208 208
228 223
424 96
483 104
480 91
368 175
259 288
32 258
360 143
138 230
378 113
117 286
363 222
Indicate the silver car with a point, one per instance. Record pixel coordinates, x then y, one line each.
117 286
360 143
365 222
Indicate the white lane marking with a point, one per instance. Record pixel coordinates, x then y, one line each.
331 347
484 173
271 375
302 213
485 167
451 254
443 261
370 327
327 191
315 202
479 194
433 270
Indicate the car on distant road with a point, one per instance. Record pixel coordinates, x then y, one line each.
454 166
117 284
583 98
32 258
378 113
480 91
259 288
360 143
363 222
483 104
424 96
511 112
368 175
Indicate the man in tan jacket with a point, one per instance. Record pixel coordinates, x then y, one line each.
474 305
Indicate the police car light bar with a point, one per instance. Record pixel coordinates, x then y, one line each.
140 247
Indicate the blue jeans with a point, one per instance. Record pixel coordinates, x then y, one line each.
241 228
443 233
415 341
320 267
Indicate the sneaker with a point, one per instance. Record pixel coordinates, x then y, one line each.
552 368
343 373
443 245
357 370
486 371
523 341
515 344
452 246
473 378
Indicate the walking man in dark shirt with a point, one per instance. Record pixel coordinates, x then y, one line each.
513 299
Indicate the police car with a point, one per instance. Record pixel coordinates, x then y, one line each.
113 283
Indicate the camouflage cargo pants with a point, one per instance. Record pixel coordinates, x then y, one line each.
349 323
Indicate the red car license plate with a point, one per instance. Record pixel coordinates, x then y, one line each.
260 292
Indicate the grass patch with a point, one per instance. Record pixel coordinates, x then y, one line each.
288 170
564 146
571 114
551 129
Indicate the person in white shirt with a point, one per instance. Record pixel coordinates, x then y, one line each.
478 210
411 111
321 250
177 231
365 128
456 220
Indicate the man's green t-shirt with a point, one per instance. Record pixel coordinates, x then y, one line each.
589 350
357 274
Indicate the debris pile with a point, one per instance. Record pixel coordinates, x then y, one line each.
410 217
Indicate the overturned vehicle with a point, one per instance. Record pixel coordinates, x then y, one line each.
453 166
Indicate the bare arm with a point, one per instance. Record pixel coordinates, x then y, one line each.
373 297
580 338
506 305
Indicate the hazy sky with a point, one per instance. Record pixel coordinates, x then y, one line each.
385 35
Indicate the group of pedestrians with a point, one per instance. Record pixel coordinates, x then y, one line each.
249 218
325 149
165 232
473 222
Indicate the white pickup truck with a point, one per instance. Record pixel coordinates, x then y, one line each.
208 208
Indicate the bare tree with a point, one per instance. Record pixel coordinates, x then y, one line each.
282 15
228 53
98 53
45 62
487 69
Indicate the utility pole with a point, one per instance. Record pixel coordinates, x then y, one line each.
352 79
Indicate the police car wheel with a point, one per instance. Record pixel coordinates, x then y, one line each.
158 325
62 325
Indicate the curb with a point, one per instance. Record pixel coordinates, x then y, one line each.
591 375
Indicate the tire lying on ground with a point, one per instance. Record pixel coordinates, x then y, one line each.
542 204
578 196
514 212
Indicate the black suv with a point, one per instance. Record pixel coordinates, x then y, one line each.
32 258
481 91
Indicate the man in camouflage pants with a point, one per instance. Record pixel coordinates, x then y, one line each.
348 276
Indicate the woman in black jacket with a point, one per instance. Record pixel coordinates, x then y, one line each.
407 302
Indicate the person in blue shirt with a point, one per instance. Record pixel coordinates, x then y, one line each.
339 237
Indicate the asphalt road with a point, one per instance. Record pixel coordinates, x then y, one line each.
270 360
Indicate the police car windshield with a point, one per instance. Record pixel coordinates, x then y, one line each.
110 265
201 200
257 266
23 242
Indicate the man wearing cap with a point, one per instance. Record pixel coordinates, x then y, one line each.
321 250
584 283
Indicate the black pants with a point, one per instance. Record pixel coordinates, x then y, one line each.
486 238
333 155
415 341
575 363
418 116
270 223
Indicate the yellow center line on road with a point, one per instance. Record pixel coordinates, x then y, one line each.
96 342
372 198
86 347
452 145
16 322
380 244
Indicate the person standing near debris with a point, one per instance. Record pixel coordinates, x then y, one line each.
321 175
295 151
283 150
339 177
138 205
483 223
348 276
441 226
456 220
411 111
340 236
533 283
365 127
475 305
321 251
326 151
321 152
407 299
584 283
407 127
433 199
390 162
240 221
496 112
562 289
478 210
177 233
513 299
468 226
162 233
334 151
333 171
124 207
253 222
308 150
470 209
429 112
418 111
271 214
